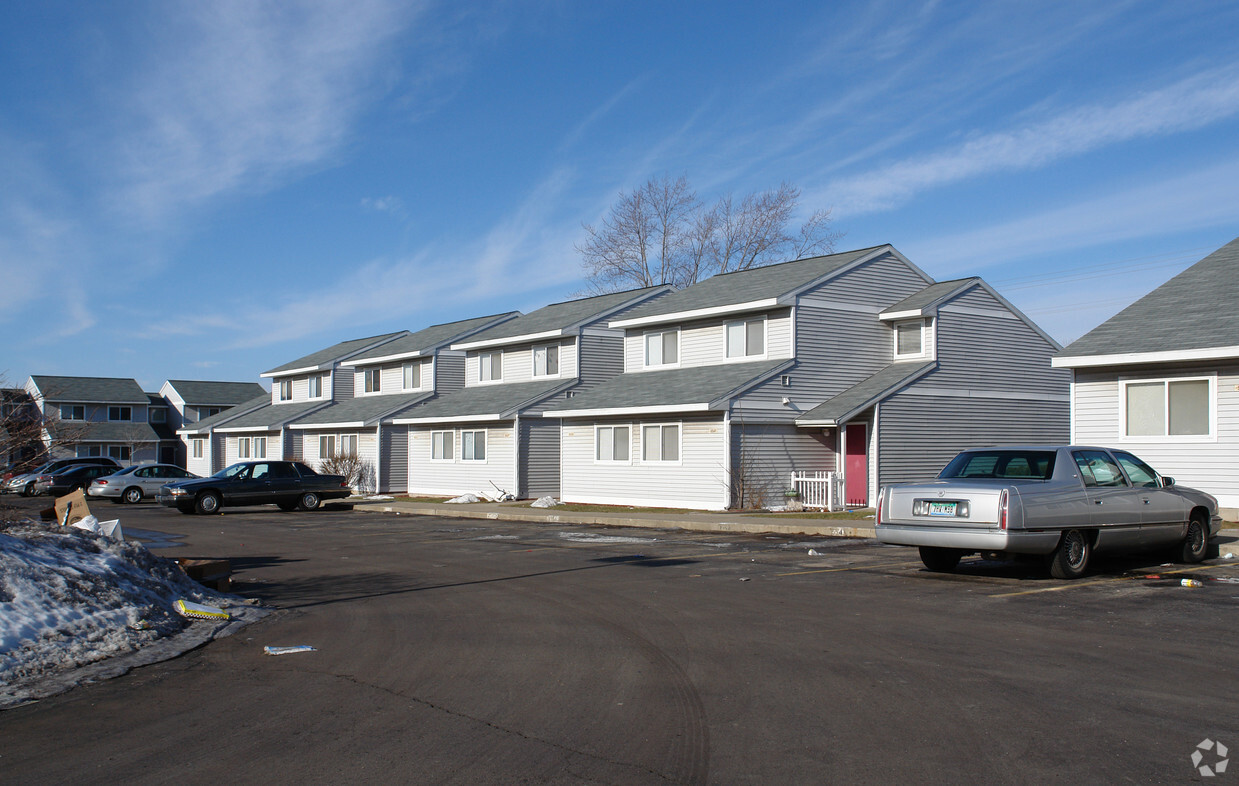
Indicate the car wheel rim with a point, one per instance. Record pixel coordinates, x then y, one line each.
208 504
1075 551
1196 536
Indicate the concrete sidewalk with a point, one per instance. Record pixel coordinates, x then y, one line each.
703 522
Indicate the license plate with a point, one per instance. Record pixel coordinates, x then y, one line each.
942 508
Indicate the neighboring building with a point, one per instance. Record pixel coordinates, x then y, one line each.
188 401
387 381
95 416
259 427
490 434
1161 378
855 363
20 434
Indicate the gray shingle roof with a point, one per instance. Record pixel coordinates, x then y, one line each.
223 417
271 416
205 393
860 397
428 339
334 353
504 401
1197 309
931 295
100 390
110 431
680 387
568 315
743 286
367 410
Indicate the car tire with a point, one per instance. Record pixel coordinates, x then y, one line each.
28 489
132 495
940 560
1070 558
1195 546
207 503
288 507
309 501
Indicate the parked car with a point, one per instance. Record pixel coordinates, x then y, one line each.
134 483
24 484
70 478
288 484
1061 503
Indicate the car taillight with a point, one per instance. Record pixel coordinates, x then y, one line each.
1002 510
877 514
102 482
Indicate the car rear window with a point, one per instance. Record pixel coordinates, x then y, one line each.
1006 464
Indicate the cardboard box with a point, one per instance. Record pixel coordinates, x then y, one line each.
71 508
211 573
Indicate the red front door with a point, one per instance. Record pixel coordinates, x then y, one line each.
856 465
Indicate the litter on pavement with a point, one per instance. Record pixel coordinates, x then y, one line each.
197 611
287 650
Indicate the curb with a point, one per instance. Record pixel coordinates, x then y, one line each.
698 522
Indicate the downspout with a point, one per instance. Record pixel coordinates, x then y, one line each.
516 454
874 485
378 458
727 457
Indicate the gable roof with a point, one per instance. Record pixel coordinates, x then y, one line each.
324 358
206 424
750 290
865 394
1191 316
696 389
76 431
426 340
206 393
928 299
92 390
484 402
560 319
360 411
270 417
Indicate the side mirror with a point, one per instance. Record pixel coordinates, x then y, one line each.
1167 481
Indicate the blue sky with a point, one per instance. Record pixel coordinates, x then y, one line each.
208 190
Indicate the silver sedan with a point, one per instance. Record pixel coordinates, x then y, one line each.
138 482
1059 502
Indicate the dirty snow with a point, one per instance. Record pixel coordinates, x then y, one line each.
75 606
585 537
545 502
463 499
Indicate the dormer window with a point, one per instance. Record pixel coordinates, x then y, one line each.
546 361
374 380
286 390
747 338
662 348
72 412
120 413
316 386
490 367
910 339
412 376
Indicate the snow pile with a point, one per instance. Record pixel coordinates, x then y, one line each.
69 599
463 499
545 502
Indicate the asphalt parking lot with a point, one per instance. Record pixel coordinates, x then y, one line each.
474 651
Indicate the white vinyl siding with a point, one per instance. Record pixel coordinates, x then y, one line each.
442 477
704 343
698 481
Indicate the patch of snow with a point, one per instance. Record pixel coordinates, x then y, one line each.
463 499
498 537
545 502
585 537
70 600
378 498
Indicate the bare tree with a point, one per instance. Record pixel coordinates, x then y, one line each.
661 233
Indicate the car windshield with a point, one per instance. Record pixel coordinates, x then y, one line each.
1006 464
232 471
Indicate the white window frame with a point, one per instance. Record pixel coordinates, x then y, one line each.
744 355
1124 382
372 380
243 448
407 370
485 445
286 390
645 348
198 448
315 380
345 441
260 447
328 439
922 324
545 349
611 427
73 408
435 437
679 446
496 364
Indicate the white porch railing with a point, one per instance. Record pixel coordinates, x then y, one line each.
819 489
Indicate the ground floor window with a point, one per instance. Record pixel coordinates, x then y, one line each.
327 446
119 452
198 449
441 445
243 447
611 443
87 451
348 444
660 442
473 445
260 447
1168 407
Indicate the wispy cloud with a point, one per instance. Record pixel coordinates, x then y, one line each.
1191 103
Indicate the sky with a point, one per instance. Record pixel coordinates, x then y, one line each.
208 190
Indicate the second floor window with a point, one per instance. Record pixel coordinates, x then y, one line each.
374 380
910 339
546 361
412 376
120 413
72 412
662 349
746 339
286 390
316 386
159 415
490 366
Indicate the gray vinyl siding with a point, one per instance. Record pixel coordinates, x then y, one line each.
764 456
294 445
601 358
918 434
219 457
1208 464
449 372
394 452
539 467
342 384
